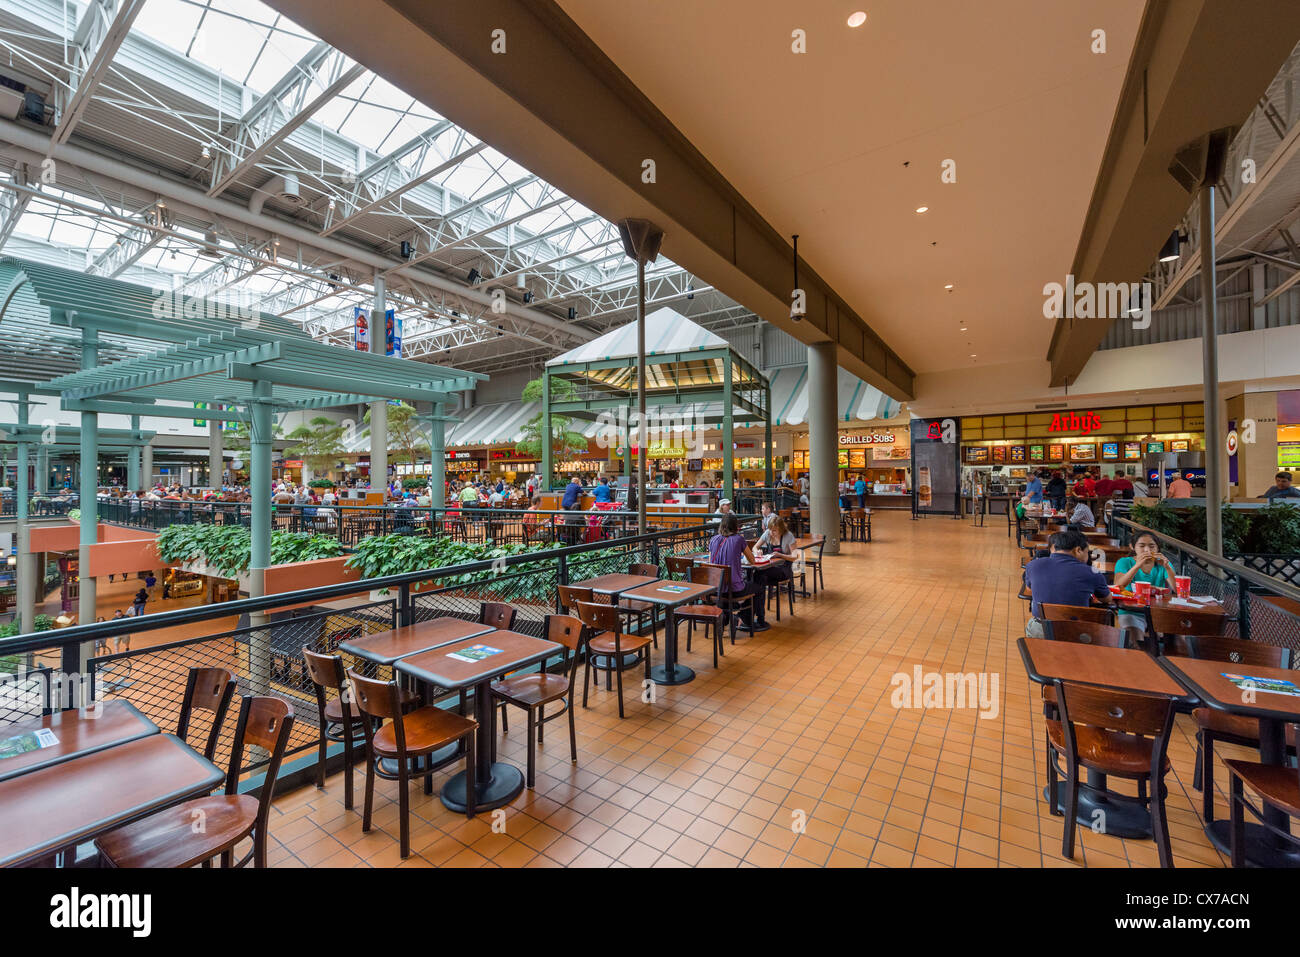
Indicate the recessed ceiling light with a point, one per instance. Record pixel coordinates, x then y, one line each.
972 355
963 328
948 287
922 209
857 19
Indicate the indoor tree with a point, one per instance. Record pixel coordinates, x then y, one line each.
563 439
407 440
319 443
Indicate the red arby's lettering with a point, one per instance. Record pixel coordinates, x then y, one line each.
1084 423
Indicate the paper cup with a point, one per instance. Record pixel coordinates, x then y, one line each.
1183 586
1142 590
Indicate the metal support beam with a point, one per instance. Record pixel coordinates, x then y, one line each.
133 461
26 572
437 456
259 484
88 499
544 479
103 27
378 410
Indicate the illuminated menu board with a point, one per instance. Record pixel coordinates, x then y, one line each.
1155 448
999 453
1056 453
1132 450
977 454
1017 453
1178 445
1083 453
1110 451
1036 453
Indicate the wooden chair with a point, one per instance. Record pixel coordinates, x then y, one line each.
337 719
1276 785
1173 626
1083 633
206 689
813 562
571 595
605 638
1100 616
169 838
497 614
404 737
1121 734
678 567
773 589
533 692
1214 725
731 603
640 609
709 615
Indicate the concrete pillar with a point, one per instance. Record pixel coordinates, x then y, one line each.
378 410
438 457
767 435
214 453
1214 482
89 486
728 442
42 470
544 479
26 572
133 460
146 466
259 484
823 444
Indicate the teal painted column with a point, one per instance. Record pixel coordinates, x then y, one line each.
26 572
259 488
438 457
89 487
42 470
544 484
767 432
728 443
627 448
133 458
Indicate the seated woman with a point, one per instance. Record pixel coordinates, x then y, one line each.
777 541
726 548
1146 564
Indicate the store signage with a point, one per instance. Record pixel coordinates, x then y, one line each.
1232 441
293 463
455 455
1085 424
872 438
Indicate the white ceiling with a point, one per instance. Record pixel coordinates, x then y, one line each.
817 142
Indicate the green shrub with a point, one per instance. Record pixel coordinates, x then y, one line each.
1236 528
42 623
415 481
1274 530
320 483
229 548
1160 517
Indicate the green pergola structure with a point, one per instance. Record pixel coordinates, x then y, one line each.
689 372
168 348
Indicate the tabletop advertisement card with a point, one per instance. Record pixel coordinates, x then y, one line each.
1271 685
474 653
673 589
27 741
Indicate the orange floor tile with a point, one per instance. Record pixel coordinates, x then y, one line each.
791 754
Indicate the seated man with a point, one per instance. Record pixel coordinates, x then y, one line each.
1063 577
1282 488
1080 513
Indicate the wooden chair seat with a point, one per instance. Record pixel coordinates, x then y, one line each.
699 612
603 643
1275 783
167 839
334 708
1108 751
633 605
532 689
1241 726
427 730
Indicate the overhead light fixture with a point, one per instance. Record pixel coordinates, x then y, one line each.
857 19
923 209
528 295
474 275
331 204
796 308
690 292
1170 251
948 287
206 153
962 329
573 313
972 355
408 251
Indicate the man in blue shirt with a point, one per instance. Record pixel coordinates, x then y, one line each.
602 491
860 490
1282 488
1035 490
1063 578
572 494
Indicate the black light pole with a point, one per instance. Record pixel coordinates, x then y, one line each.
641 242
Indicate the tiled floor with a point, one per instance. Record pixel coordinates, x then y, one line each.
796 728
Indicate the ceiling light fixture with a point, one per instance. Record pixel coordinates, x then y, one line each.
857 19
206 153
1170 251
948 287
796 308
972 355
923 209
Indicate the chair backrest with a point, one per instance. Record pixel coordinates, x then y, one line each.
643 568
264 722
1091 633
571 595
1126 711
1182 621
325 671
1239 651
564 629
719 577
598 617
206 689
497 614
378 699
679 566
1102 616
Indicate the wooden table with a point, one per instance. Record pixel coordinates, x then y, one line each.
386 647
670 596
117 723
496 784
1123 669
1205 679
76 800
615 584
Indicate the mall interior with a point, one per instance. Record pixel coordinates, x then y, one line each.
934 366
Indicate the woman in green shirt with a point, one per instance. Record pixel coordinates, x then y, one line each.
1146 564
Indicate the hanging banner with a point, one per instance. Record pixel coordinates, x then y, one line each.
360 330
392 334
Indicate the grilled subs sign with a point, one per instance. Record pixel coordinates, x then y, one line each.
1084 423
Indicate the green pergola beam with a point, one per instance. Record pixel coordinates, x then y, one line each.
271 373
170 373
119 406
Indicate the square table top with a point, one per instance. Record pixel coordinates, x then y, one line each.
1204 678
117 723
614 584
516 651
385 647
76 800
1125 669
655 594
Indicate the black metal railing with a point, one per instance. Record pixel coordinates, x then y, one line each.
261 644
1260 606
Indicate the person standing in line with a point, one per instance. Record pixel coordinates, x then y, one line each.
138 603
1179 487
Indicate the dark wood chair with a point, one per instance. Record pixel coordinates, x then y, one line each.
1121 734
631 607
406 737
534 691
1173 626
170 838
1213 725
728 601
605 638
206 689
1083 633
710 615
1100 616
1276 784
338 719
815 564
571 595
497 614
678 567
